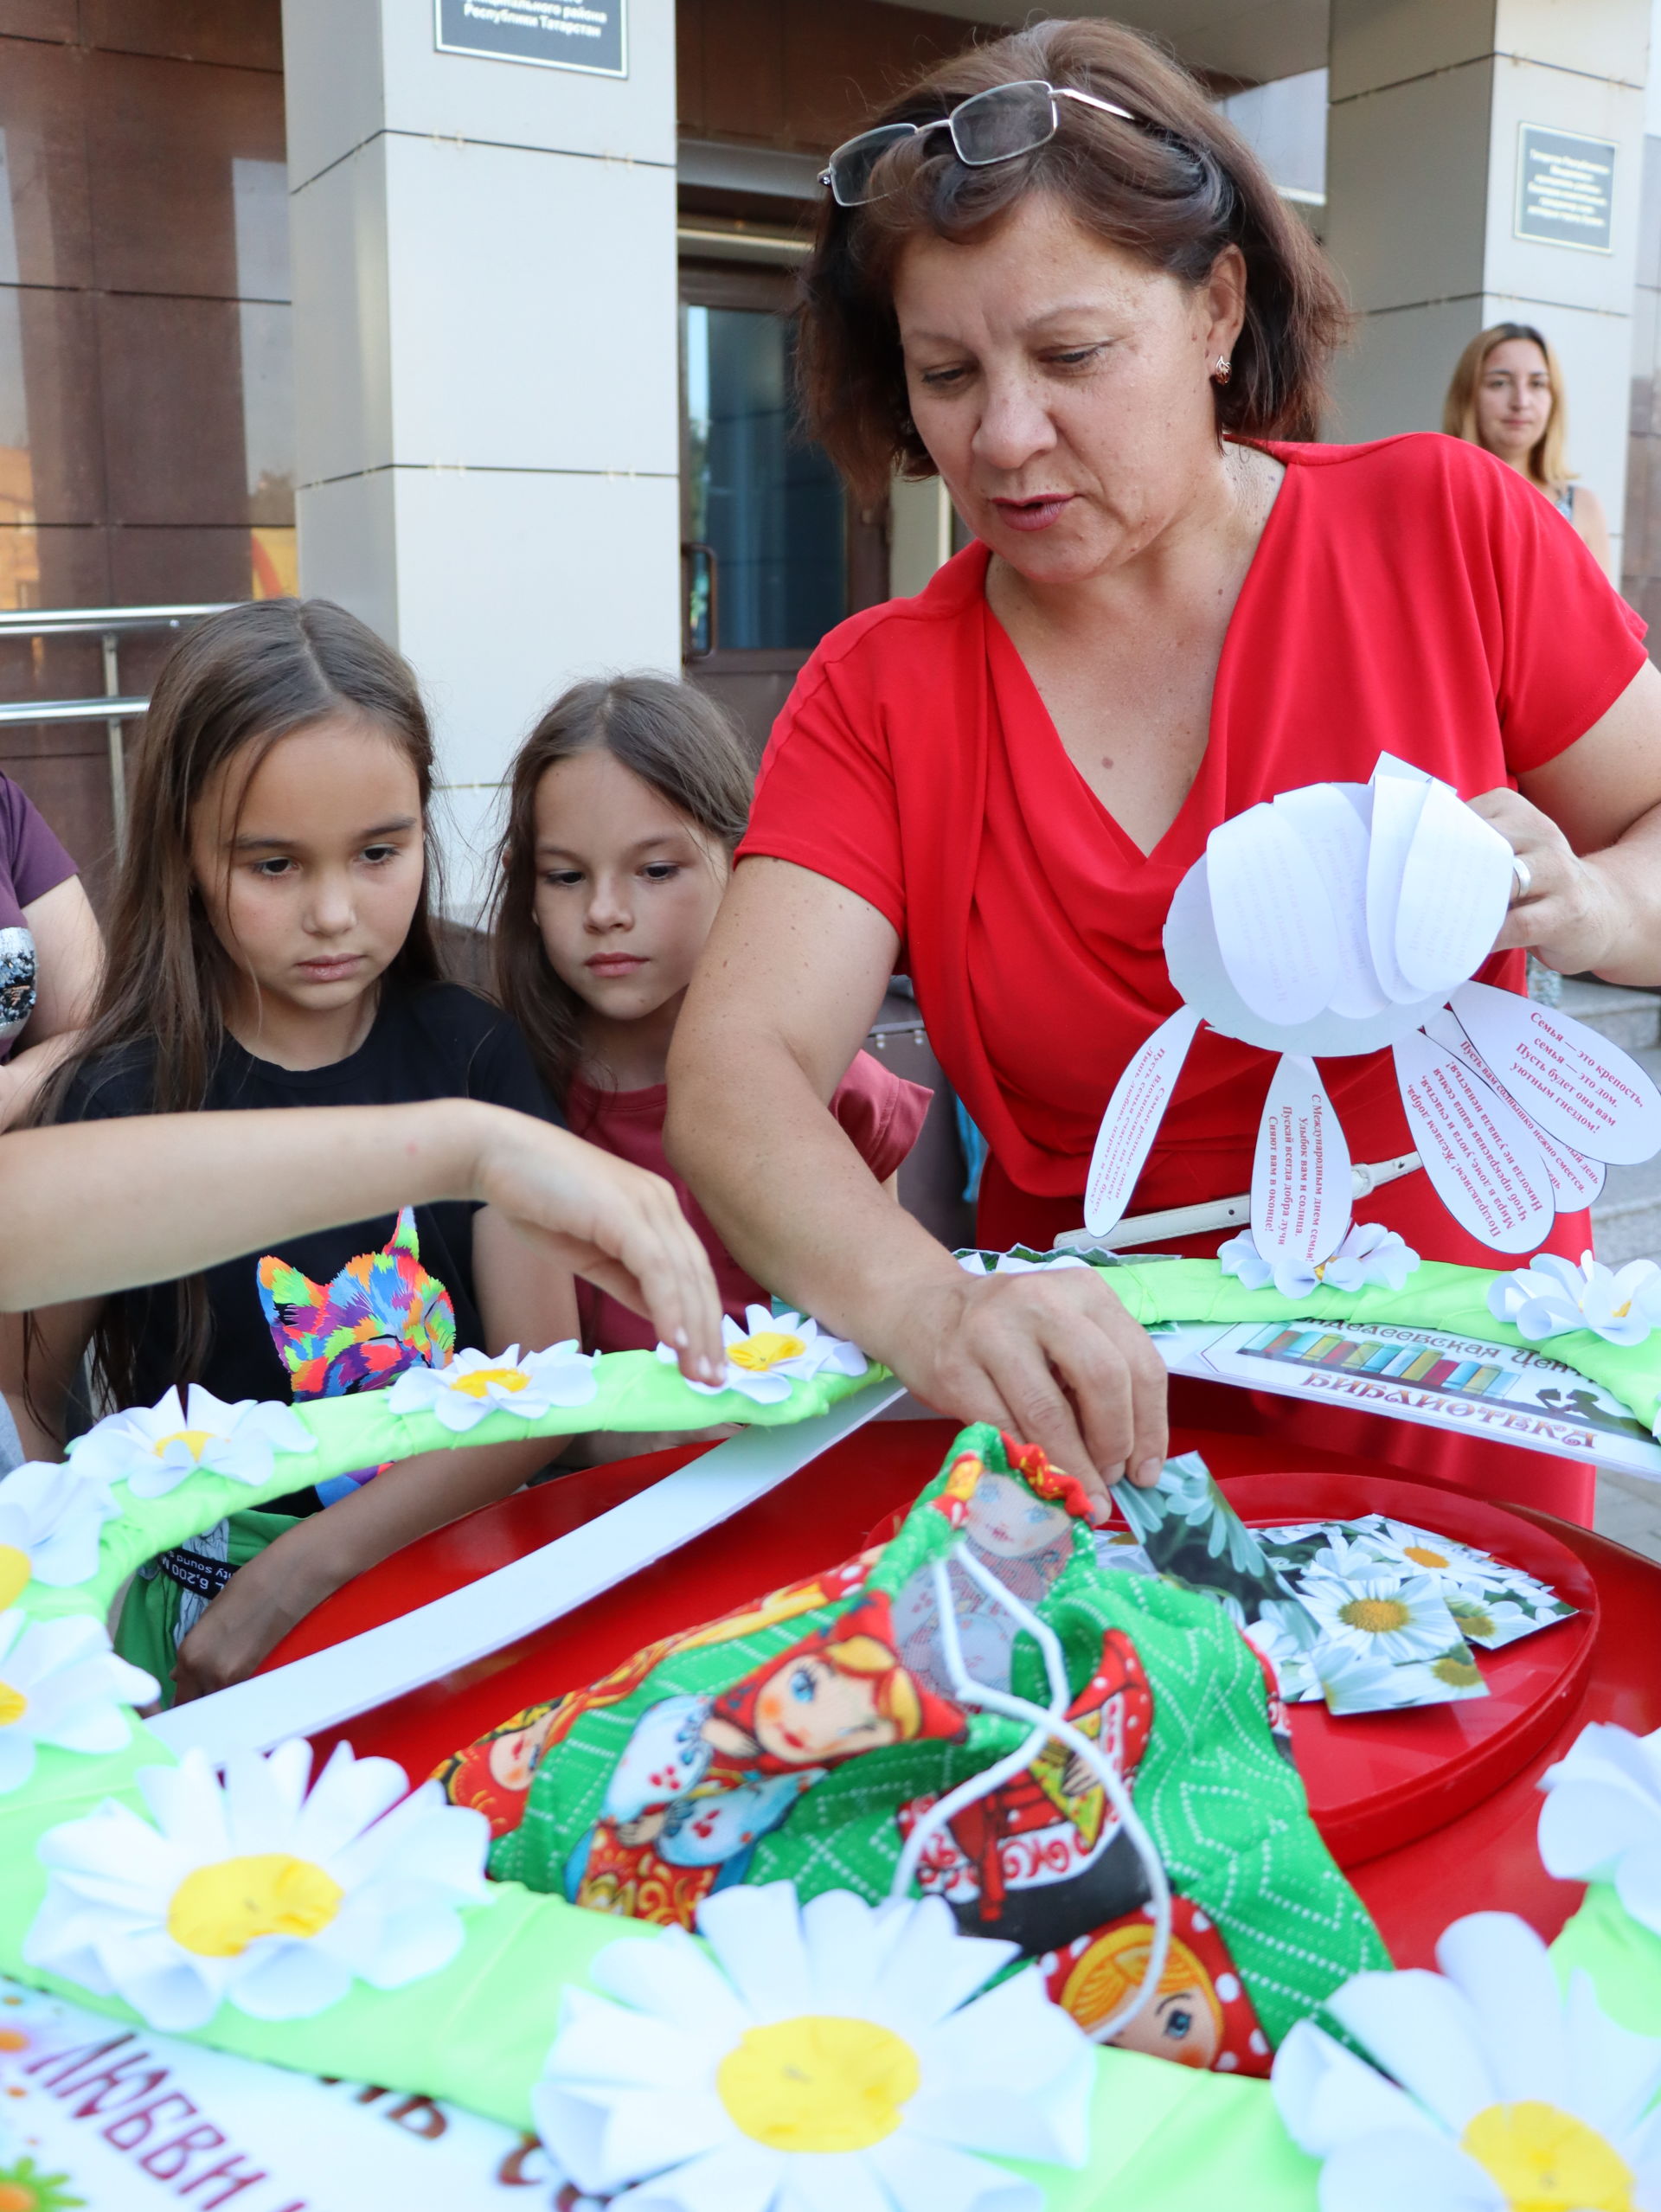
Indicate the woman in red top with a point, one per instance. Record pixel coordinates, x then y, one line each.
1169 616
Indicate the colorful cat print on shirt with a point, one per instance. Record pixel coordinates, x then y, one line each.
382 1313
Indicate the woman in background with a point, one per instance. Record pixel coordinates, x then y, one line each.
50 953
1507 396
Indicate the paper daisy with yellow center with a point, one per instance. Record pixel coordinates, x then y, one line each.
1381 1612
770 1352
834 2054
154 1448
50 1517
255 1891
61 1684
1494 2093
476 1384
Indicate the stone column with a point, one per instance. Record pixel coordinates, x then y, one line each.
1436 108
485 347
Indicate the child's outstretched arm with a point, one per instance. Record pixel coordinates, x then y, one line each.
320 1554
96 1206
522 1299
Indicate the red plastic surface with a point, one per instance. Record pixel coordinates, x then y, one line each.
1378 1781
1433 1812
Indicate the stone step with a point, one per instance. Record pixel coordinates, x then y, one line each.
1628 1018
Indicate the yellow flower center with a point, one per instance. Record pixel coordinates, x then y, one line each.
1375 1615
765 1349
13 1573
1458 1674
1545 2160
13 1705
476 1384
194 1440
818 2084
219 1910
1422 1555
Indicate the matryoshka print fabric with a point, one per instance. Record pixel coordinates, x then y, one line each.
804 1738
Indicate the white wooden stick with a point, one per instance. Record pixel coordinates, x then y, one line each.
326 1688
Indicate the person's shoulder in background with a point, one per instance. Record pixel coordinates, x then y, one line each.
880 1112
33 857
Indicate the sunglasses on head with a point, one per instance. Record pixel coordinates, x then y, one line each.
994 125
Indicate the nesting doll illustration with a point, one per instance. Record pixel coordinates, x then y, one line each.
701 1779
1044 1856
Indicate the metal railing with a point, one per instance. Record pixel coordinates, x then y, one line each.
109 625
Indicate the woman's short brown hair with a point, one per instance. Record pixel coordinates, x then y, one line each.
1175 188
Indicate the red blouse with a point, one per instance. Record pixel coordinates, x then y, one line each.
1414 597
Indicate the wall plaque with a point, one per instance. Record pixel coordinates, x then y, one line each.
590 36
1565 188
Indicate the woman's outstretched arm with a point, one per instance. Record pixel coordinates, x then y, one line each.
787 987
96 1206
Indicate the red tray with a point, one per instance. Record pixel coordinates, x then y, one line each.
1432 1812
1378 1781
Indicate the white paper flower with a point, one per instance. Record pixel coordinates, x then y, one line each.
1369 1255
829 2057
1550 1297
1506 2097
154 1449
61 1684
1601 1819
255 1892
476 1384
772 1351
50 1517
1380 1611
1240 1256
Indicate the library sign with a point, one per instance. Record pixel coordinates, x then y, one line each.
591 35
1565 188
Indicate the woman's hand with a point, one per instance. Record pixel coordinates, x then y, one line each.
1569 915
1054 1359
616 1225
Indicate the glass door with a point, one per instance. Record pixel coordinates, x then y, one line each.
773 553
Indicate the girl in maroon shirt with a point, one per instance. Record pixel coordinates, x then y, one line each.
627 802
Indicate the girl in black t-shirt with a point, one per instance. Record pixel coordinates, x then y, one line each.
271 944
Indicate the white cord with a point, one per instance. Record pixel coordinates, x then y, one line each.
1047 1725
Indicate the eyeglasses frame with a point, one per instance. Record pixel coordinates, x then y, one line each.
947 122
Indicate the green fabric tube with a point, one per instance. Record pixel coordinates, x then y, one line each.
1622 1957
1165 2139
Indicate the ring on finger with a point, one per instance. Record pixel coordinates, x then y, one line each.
1525 875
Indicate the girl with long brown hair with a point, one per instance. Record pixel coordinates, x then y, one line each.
272 945
625 804
1507 396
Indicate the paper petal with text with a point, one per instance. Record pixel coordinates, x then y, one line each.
1341 919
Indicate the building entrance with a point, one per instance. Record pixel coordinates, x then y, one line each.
774 553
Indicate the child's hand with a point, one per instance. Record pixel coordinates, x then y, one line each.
617 1225
248 1619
